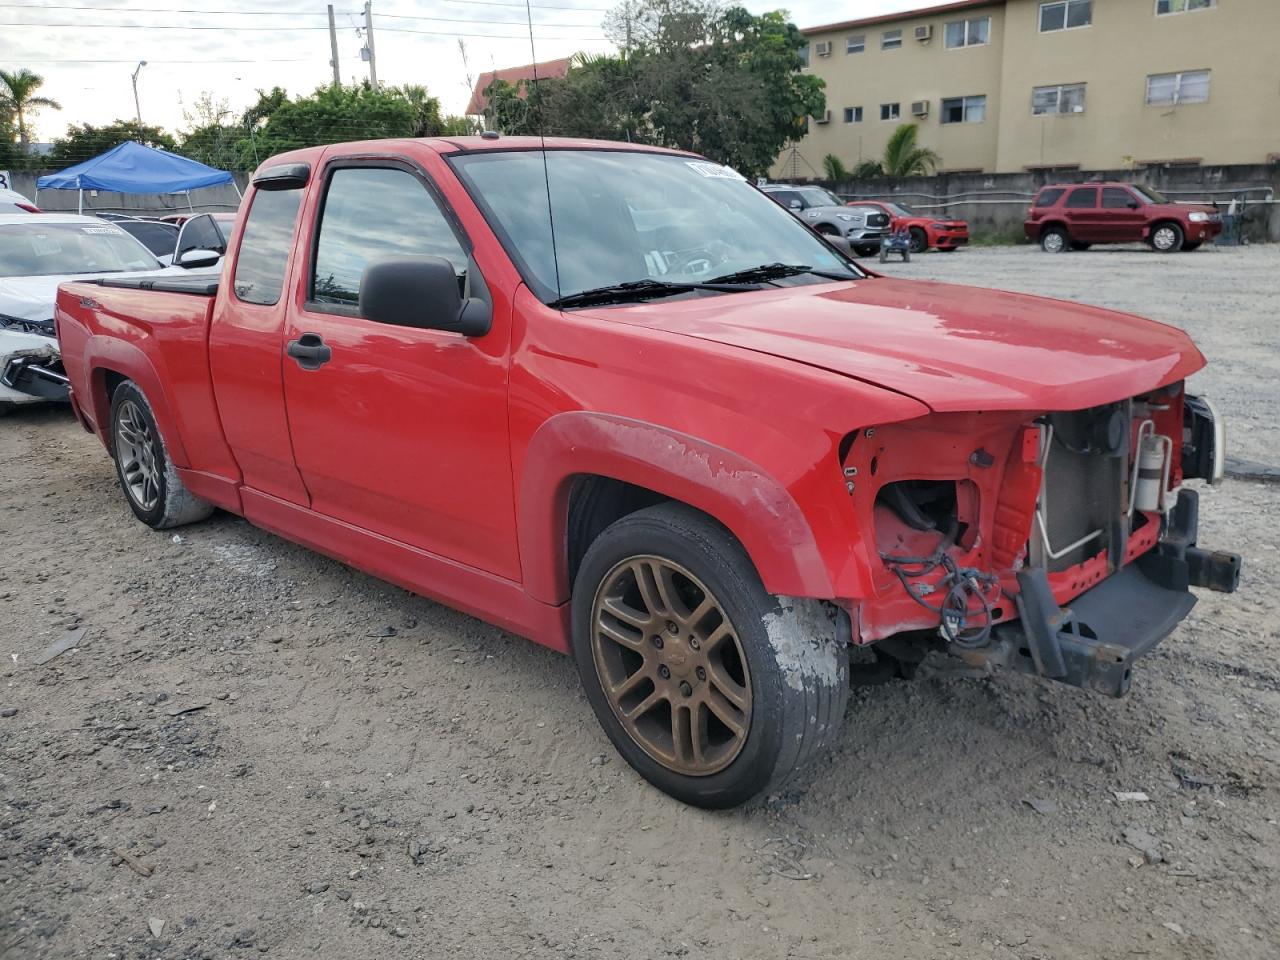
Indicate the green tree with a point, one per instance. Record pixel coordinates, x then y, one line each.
866 169
85 140
718 81
834 169
903 156
427 118
212 133
20 103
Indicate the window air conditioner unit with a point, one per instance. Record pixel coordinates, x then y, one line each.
822 48
920 108
825 118
924 33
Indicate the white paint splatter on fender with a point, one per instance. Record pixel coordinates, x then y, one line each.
803 636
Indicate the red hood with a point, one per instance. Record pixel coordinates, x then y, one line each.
951 347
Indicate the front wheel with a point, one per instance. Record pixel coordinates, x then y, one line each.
712 689
919 240
1054 240
1167 237
147 475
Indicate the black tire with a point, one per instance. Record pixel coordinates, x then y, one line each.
919 240
798 669
1166 237
827 230
1055 240
1190 245
906 256
167 502
1080 245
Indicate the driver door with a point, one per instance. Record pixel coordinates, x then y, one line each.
401 431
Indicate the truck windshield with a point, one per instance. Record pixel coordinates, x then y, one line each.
626 216
63 249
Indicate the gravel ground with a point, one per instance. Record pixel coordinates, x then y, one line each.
255 750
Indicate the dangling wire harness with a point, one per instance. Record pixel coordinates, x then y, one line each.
959 585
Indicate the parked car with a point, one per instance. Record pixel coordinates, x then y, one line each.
1076 216
939 232
13 202
160 238
36 254
706 468
203 232
862 225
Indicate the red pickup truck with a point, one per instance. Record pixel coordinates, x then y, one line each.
614 399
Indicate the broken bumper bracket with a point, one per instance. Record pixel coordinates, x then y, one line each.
1095 640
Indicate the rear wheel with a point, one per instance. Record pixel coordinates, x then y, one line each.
919 240
147 475
712 689
1167 237
1054 240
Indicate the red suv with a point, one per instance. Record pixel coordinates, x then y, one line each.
1078 216
940 232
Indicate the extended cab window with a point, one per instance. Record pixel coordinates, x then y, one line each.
264 247
375 212
1086 197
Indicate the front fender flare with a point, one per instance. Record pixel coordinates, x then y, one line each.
754 506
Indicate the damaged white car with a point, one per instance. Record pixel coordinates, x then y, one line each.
36 254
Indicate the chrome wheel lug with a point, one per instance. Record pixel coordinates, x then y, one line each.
702 673
672 628
656 641
663 672
694 643
685 689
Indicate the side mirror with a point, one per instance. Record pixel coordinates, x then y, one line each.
1133 204
796 205
190 259
421 292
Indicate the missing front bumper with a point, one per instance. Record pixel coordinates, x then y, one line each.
1095 640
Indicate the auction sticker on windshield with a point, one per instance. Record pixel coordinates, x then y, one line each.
110 231
713 170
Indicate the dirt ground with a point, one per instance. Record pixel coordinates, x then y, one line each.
255 750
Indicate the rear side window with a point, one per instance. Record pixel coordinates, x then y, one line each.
1082 197
371 213
1049 197
1114 198
264 246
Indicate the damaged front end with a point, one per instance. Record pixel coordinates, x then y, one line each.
1058 544
30 364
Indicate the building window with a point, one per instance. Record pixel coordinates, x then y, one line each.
855 44
1182 6
852 114
1170 89
890 111
964 109
968 33
1063 98
1065 15
891 40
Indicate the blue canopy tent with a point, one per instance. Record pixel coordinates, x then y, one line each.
133 168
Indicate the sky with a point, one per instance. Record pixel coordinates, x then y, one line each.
230 48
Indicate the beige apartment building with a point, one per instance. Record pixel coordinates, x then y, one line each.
1012 85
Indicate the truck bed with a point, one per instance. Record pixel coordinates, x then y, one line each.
203 285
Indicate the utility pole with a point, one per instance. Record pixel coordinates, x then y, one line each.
136 105
333 49
368 39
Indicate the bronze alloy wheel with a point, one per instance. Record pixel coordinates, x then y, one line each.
671 665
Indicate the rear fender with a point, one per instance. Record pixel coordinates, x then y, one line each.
109 353
752 505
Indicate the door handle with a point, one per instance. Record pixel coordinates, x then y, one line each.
310 351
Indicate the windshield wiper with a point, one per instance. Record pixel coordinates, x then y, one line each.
635 291
777 271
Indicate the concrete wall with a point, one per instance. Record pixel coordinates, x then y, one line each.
208 199
997 203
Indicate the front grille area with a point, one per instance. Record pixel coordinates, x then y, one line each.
877 220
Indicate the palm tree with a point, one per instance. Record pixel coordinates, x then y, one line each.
904 157
866 169
18 99
835 170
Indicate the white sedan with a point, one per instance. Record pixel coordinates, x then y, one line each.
11 201
36 254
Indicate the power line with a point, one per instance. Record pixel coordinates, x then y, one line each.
289 13
159 26
285 13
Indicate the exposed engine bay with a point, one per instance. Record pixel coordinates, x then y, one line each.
30 364
1060 544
